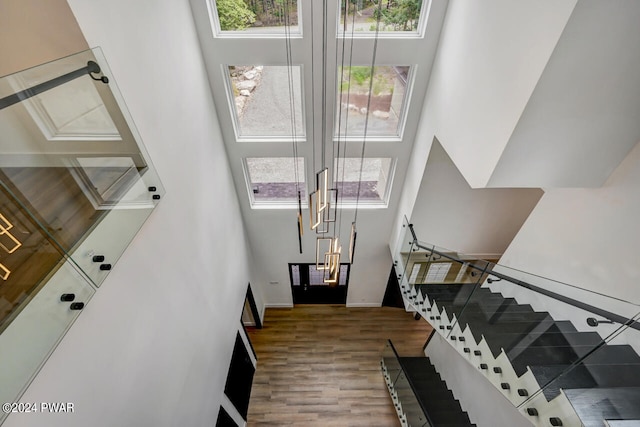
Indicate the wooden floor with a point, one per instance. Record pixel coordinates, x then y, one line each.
319 365
46 197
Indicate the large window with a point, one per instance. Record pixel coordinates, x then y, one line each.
256 18
396 17
272 181
263 105
381 113
371 179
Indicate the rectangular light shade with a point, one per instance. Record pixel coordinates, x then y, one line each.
323 246
352 242
332 272
322 187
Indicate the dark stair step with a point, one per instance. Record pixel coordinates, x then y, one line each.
522 357
447 291
555 333
508 324
476 298
490 312
586 375
549 338
595 405
510 330
436 399
614 354
566 355
449 417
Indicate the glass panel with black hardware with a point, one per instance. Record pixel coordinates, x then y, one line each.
553 349
76 185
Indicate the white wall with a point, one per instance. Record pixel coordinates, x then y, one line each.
588 95
586 237
484 404
490 58
154 344
278 246
450 214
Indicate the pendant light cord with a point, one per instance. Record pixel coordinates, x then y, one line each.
291 86
366 120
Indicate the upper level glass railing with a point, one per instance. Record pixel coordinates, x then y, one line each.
72 157
542 343
76 185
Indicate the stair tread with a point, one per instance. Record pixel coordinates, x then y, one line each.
556 355
594 405
551 336
522 357
427 385
586 376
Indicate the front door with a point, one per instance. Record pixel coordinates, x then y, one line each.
308 287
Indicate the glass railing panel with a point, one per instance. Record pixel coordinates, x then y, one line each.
405 247
523 331
448 281
72 157
410 404
76 184
41 309
587 310
401 389
390 363
603 385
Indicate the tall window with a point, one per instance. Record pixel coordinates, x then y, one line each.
396 17
261 101
256 18
382 112
373 183
271 181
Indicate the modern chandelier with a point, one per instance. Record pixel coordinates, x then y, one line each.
324 216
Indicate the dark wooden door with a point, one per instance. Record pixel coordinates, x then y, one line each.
308 287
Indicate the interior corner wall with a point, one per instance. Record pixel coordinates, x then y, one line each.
490 58
452 215
587 237
30 33
154 344
589 93
473 102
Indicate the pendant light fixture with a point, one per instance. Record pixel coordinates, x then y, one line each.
287 29
324 200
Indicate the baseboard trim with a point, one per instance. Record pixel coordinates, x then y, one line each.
364 304
279 305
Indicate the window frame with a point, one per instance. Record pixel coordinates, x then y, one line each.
418 34
235 121
217 31
383 203
402 119
275 204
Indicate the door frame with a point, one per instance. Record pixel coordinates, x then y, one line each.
320 288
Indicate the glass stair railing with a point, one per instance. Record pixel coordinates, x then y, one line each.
406 404
562 355
76 185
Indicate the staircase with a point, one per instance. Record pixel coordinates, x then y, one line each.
583 379
420 396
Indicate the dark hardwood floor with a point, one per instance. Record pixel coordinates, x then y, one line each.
319 365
